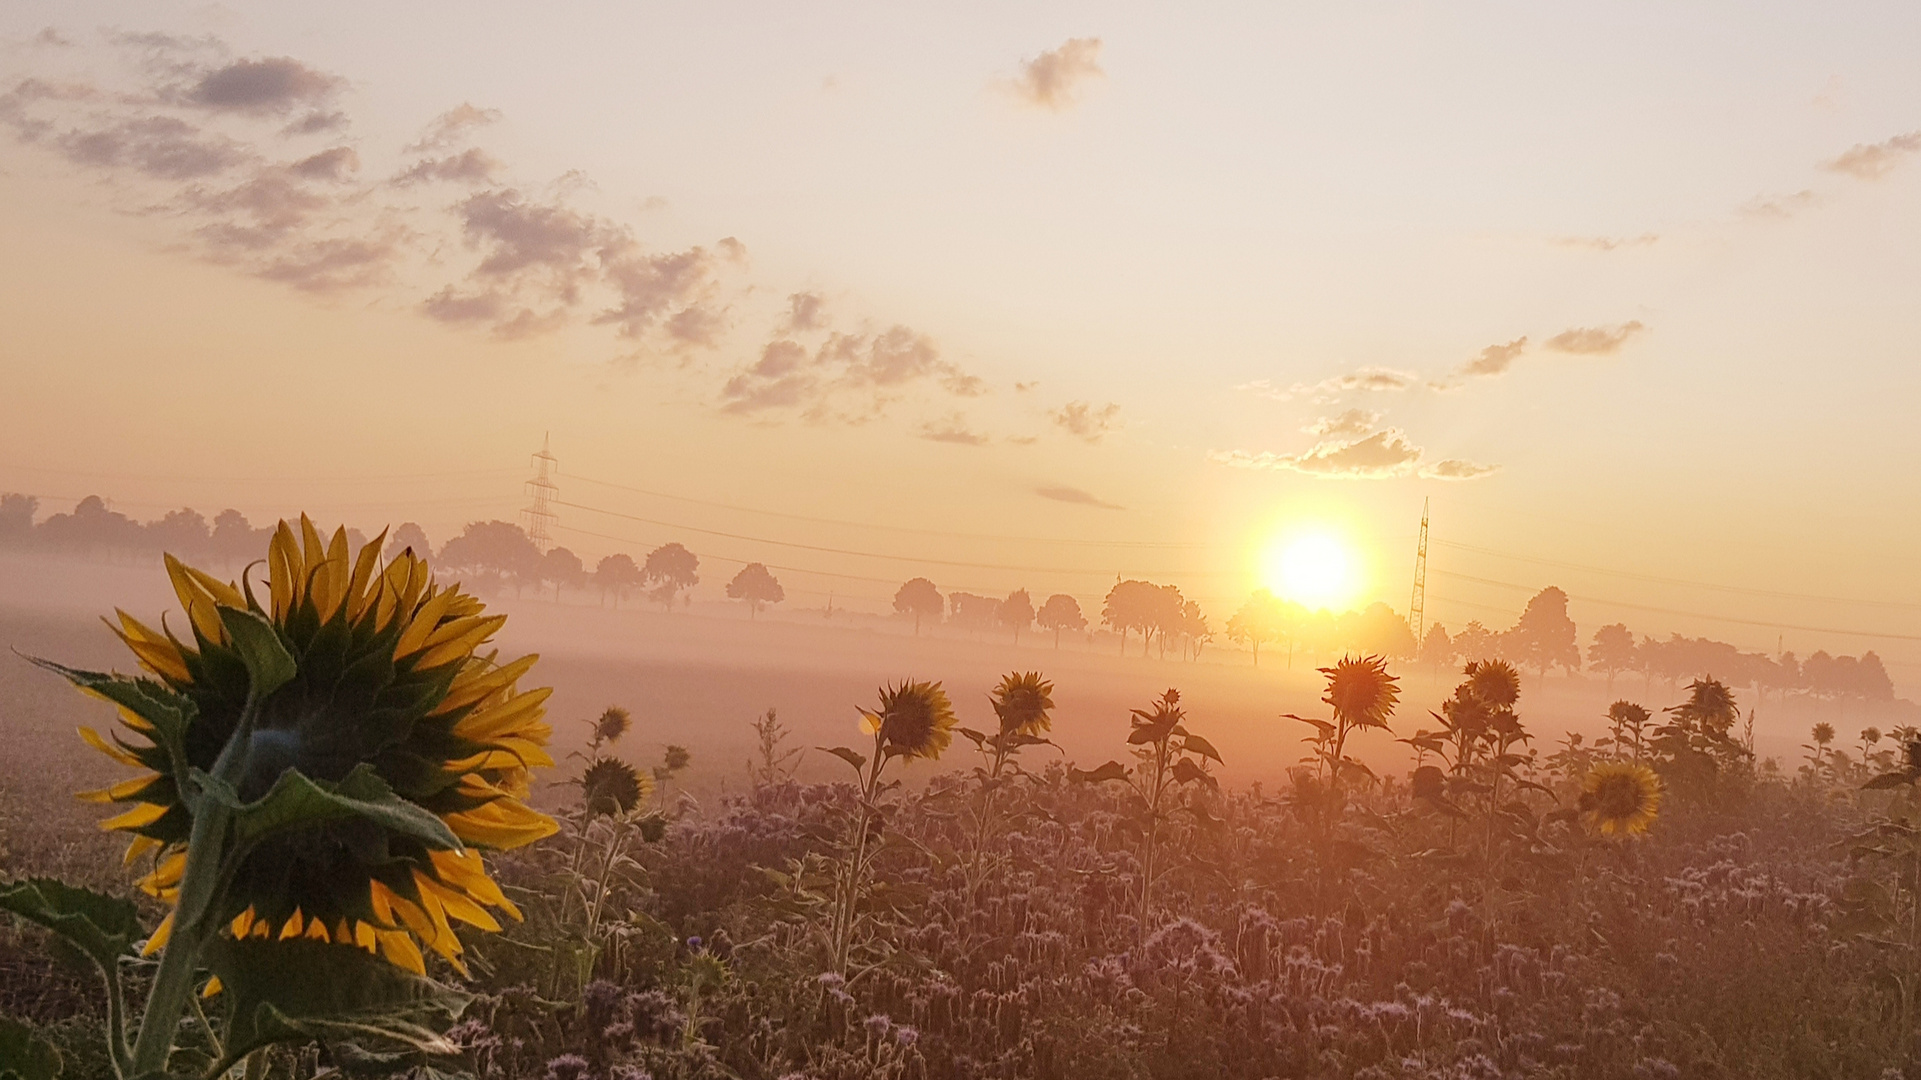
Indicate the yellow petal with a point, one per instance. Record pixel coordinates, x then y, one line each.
359 596
400 951
458 638
457 904
140 846
425 619
212 987
122 791
155 652
292 927
503 823
509 717
139 817
285 571
166 875
242 923
465 870
476 682
160 935
316 930
98 742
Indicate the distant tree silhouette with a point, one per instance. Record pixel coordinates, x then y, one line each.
756 586
182 532
91 526
561 568
670 568
976 613
1061 612
616 576
1260 621
1165 614
498 551
1016 612
919 598
1439 650
16 518
1613 651
1544 637
1476 643
1194 631
1130 605
1376 630
408 535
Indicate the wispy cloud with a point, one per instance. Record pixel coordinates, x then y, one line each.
1378 455
1063 493
1595 340
1361 380
849 376
1605 243
1054 79
1494 359
1872 161
1353 422
952 429
1084 421
1779 207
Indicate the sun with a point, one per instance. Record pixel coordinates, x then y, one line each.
1315 571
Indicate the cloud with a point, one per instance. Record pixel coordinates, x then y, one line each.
1352 422
160 147
805 311
1606 243
1361 380
273 86
1872 161
1594 340
451 128
470 166
337 164
862 371
1053 80
1456 469
1494 359
1063 493
1378 455
952 429
1083 421
1779 207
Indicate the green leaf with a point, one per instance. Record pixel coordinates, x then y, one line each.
1113 770
103 927
1186 772
297 990
978 738
1202 747
169 712
24 1055
297 803
1888 780
851 757
269 664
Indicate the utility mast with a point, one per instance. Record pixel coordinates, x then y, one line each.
542 490
1417 607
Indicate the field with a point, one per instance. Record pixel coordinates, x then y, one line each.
1290 927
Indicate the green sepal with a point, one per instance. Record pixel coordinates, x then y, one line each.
104 927
269 664
170 712
296 803
25 1055
299 990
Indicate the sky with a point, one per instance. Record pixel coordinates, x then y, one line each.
1004 294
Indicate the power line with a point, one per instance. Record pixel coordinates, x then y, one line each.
892 528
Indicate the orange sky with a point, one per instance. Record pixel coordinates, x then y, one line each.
1628 293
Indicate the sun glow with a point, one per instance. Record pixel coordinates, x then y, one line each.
1315 571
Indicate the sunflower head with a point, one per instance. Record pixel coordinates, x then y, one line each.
1627 714
1494 682
1361 691
1823 733
380 697
1023 702
610 725
915 720
612 787
1621 798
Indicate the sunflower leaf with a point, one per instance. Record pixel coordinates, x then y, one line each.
851 757
104 927
299 990
297 802
269 664
24 1055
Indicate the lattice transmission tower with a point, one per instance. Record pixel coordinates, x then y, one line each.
1417 607
542 491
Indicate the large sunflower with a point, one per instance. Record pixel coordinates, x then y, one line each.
1023 702
1621 797
1361 691
915 720
390 697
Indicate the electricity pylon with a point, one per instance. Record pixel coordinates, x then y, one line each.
542 490
1417 607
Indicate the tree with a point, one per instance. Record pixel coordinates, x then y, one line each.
616 576
1195 633
1438 650
16 517
497 549
408 536
1476 642
1377 630
756 586
920 599
1544 637
1613 650
90 526
1061 612
669 569
1016 612
1262 619
977 613
561 568
234 539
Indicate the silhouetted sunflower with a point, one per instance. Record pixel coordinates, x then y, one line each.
613 787
1023 701
1495 683
1621 798
388 700
915 719
612 724
1361 691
